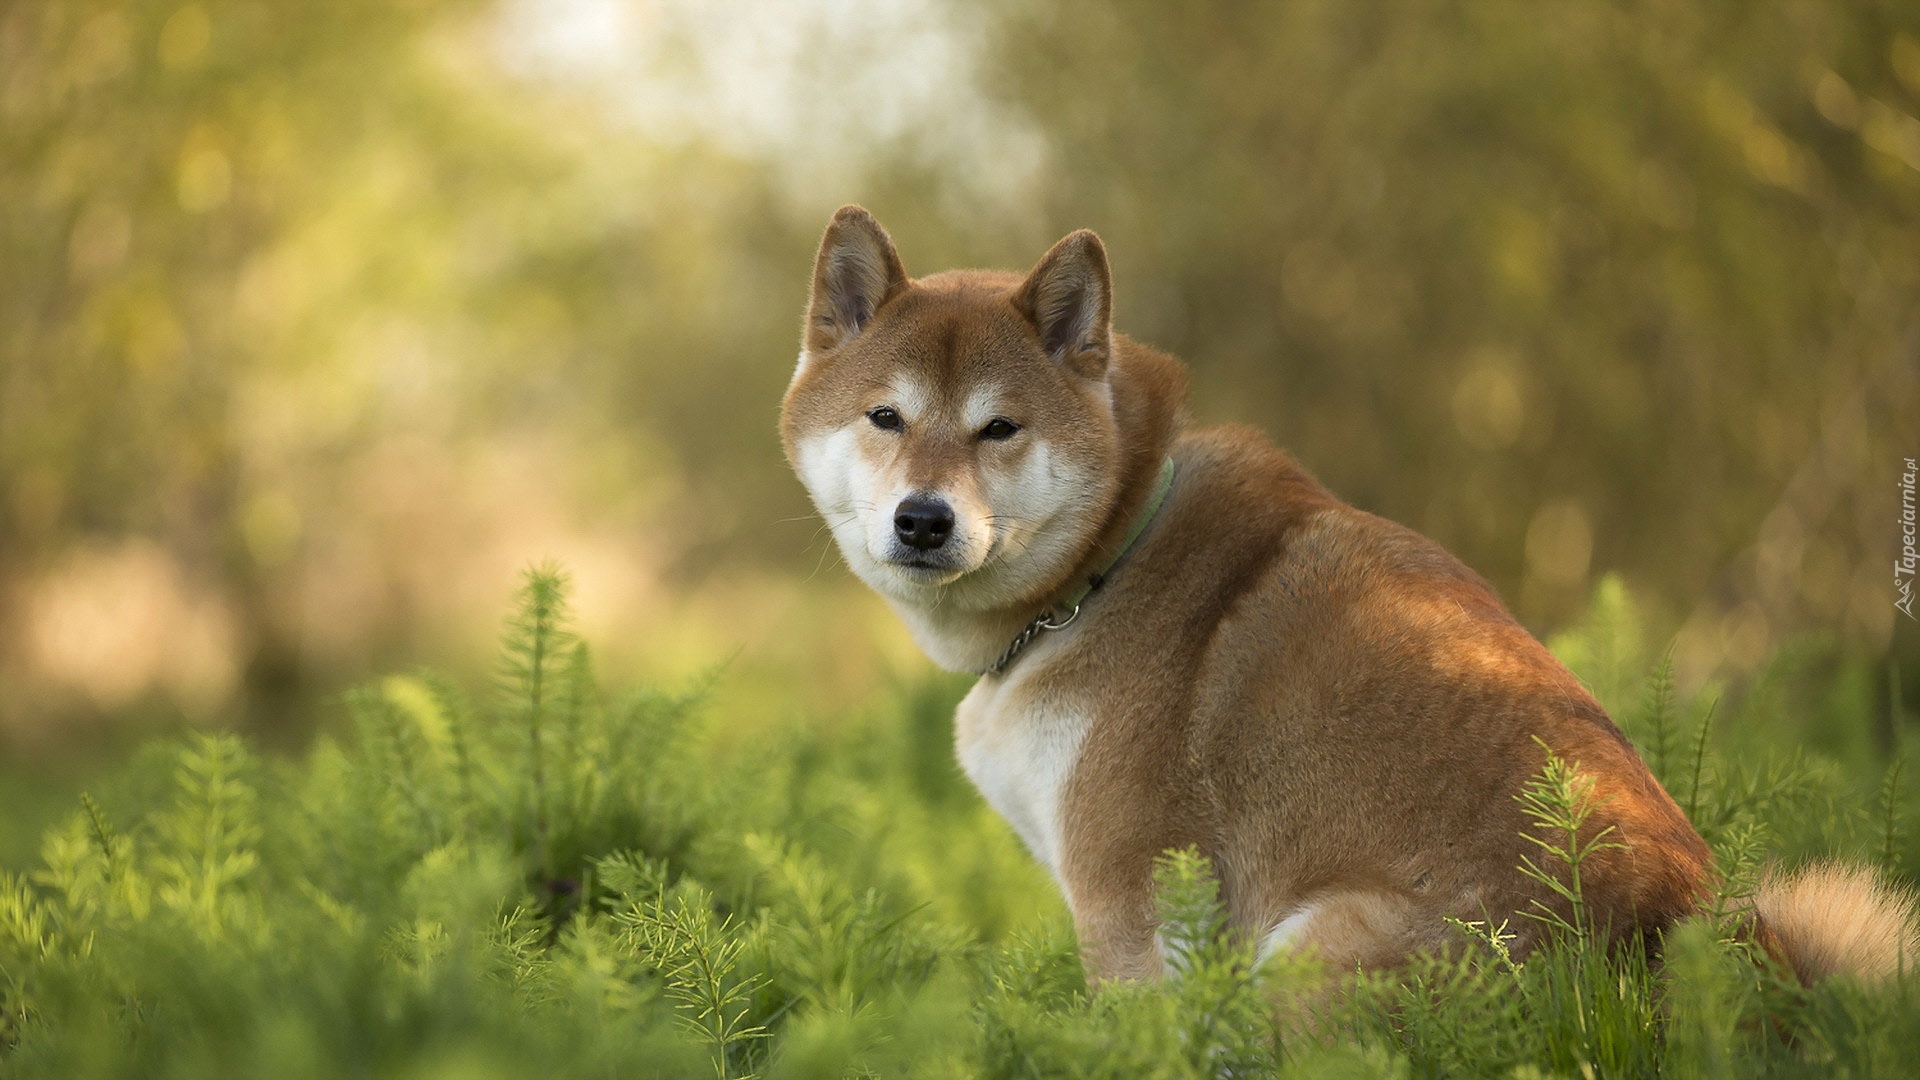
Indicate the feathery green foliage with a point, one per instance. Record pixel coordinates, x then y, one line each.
697 958
1892 828
1560 801
553 880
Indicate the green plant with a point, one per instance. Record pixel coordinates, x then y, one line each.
1560 801
559 881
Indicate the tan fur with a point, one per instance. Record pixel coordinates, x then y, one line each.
1329 706
1830 919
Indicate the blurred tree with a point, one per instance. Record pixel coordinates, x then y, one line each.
244 241
1574 288
192 189
329 307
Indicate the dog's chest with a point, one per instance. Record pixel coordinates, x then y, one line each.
1020 752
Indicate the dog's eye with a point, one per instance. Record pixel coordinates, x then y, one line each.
999 428
886 419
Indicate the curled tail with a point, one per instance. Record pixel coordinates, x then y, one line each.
1834 919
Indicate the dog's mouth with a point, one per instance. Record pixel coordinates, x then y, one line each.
920 564
941 565
932 566
926 568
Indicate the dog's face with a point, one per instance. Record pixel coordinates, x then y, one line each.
956 432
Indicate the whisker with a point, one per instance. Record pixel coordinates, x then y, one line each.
829 547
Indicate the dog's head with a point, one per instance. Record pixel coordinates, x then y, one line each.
957 431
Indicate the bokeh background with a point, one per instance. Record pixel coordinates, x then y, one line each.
318 321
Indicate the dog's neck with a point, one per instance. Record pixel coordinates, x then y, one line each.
1149 392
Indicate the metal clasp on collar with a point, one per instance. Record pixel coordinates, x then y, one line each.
1041 624
1046 623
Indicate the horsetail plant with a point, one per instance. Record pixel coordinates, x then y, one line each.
571 884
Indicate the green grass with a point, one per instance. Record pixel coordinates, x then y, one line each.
542 878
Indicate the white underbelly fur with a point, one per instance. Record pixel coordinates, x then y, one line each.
1286 934
1020 757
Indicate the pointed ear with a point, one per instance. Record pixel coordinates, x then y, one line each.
857 270
1069 300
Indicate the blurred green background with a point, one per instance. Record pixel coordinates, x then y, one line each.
318 321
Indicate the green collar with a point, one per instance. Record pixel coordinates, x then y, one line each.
1071 605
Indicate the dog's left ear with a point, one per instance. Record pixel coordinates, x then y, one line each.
1069 300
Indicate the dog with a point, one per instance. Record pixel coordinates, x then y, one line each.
1185 640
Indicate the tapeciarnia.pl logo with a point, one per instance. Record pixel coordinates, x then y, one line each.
1903 566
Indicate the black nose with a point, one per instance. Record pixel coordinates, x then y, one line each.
923 522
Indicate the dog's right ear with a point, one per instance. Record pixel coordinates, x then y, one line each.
857 271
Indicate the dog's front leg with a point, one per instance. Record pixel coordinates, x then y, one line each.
1119 938
1110 894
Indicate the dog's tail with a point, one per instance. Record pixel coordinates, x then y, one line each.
1832 918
